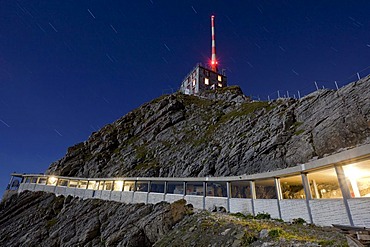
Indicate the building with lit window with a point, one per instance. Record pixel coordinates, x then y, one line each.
201 79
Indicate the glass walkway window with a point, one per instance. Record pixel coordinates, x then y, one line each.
292 187
265 189
358 177
241 189
324 184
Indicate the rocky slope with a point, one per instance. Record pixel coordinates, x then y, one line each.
222 133
42 219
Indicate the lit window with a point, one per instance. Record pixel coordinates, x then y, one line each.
219 78
93 185
206 81
358 175
219 84
52 181
292 187
82 184
193 82
324 184
118 185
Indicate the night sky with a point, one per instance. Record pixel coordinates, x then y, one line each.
67 68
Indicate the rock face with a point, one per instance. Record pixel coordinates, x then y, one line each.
222 133
42 219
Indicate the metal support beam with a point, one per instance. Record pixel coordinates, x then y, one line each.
345 191
307 191
278 194
253 195
228 192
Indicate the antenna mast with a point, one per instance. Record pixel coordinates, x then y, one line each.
214 63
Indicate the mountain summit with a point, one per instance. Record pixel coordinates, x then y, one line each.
222 133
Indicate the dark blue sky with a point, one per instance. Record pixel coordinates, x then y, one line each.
69 67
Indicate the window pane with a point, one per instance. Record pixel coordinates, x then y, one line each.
241 189
62 182
82 184
93 185
129 186
217 189
358 177
324 184
265 189
34 180
42 180
108 185
73 183
292 187
118 185
157 187
194 188
52 181
101 185
142 186
175 188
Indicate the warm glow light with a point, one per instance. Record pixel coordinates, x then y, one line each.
118 185
52 180
352 172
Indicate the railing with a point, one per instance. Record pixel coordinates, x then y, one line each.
331 190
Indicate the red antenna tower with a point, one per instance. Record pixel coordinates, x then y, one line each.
214 63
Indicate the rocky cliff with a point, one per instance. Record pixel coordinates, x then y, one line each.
222 133
42 219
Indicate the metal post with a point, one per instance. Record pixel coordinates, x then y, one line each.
228 190
148 191
358 76
299 95
336 85
165 190
307 191
278 94
279 194
184 190
317 88
204 194
10 183
345 191
253 195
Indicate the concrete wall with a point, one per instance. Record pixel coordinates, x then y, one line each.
360 211
97 194
70 191
89 193
326 212
241 205
293 209
39 187
196 201
173 197
127 196
155 197
80 192
268 206
115 196
49 188
140 197
212 202
105 194
60 190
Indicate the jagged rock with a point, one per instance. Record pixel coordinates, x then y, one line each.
32 218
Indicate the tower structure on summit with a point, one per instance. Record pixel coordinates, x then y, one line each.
214 63
202 78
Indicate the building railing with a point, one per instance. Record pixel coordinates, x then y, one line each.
341 178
